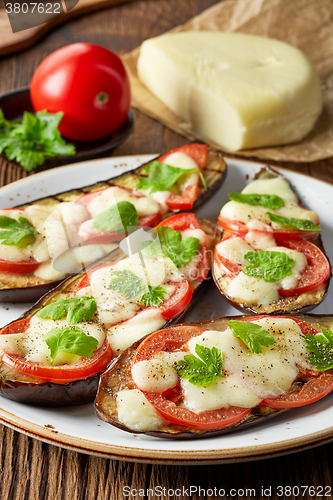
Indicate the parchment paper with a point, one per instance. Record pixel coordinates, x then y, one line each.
306 24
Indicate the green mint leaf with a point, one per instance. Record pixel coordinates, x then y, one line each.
72 340
268 265
153 296
202 371
264 200
119 217
17 232
162 177
253 336
169 243
126 283
301 224
76 309
31 140
321 347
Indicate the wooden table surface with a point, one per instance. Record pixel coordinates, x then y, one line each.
32 470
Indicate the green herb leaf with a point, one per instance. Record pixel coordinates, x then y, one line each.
17 232
72 340
202 371
162 176
76 309
128 284
268 265
265 200
153 296
170 244
301 224
321 347
29 141
119 217
253 336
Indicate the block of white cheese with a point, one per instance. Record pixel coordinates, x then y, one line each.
240 91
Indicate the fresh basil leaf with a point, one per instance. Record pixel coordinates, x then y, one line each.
29 141
72 340
17 232
169 243
153 296
76 309
321 347
120 217
268 265
253 336
270 201
202 371
162 177
301 224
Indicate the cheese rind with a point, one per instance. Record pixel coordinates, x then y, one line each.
239 90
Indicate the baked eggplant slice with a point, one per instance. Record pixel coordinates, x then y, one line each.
213 377
74 219
72 334
270 268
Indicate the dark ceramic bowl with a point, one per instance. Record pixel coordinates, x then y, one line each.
15 102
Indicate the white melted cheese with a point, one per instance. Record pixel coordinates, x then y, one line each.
250 377
135 411
252 290
31 346
256 217
157 374
110 197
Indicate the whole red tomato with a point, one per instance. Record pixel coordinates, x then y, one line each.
89 84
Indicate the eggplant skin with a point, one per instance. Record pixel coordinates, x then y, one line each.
49 394
214 174
118 377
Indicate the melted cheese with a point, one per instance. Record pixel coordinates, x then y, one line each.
157 374
32 347
135 411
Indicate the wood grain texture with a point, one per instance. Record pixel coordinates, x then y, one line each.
31 470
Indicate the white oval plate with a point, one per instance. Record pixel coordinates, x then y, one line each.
79 429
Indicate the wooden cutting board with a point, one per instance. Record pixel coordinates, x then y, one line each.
13 42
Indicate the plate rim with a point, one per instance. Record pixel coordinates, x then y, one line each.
161 456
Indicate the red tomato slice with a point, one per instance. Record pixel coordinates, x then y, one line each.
23 267
198 153
174 339
185 200
317 271
178 301
311 392
62 374
180 222
313 277
241 229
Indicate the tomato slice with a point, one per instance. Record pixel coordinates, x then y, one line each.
316 272
198 153
62 374
242 229
185 200
311 392
312 278
23 267
178 301
180 222
174 339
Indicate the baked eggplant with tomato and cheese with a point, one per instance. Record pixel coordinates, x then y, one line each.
201 379
43 242
55 353
271 258
268 204
270 277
